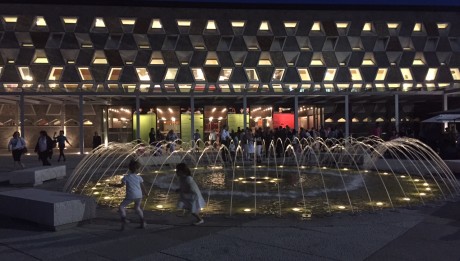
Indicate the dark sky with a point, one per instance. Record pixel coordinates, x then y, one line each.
330 2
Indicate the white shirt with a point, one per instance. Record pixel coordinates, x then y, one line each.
16 143
224 135
133 186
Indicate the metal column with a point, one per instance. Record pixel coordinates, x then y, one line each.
445 107
82 132
347 116
245 113
397 113
21 114
192 116
138 118
296 113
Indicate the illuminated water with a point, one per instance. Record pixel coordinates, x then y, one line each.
310 177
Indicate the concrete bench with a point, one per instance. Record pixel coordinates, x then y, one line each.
50 209
36 176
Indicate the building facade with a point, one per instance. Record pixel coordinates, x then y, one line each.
123 70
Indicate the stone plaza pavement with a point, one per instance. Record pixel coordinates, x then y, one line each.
424 233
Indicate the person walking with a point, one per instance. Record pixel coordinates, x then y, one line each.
44 148
152 135
190 195
196 138
17 146
61 140
135 189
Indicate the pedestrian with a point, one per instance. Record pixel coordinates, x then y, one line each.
44 148
61 140
196 137
97 140
134 190
171 137
152 135
17 146
190 195
212 137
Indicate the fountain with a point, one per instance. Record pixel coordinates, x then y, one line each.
306 177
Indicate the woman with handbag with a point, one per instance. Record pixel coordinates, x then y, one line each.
17 146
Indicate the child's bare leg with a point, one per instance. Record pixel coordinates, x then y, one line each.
140 213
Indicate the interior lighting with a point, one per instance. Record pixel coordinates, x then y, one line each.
156 24
99 23
40 21
211 25
170 110
185 23
10 19
70 20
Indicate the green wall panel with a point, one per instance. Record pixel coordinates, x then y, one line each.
147 121
185 125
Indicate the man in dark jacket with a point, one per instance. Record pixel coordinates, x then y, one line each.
44 148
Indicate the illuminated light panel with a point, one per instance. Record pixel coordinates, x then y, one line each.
393 25
70 20
442 25
100 61
41 60
418 27
99 23
184 23
10 19
128 21
211 25
418 62
156 24
316 26
290 24
367 27
381 74
368 62
238 23
355 74
40 21
342 25
316 62
431 75
264 26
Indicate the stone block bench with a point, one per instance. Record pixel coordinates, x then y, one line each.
50 209
35 176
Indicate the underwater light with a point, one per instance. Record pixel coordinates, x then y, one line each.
296 209
240 178
236 180
366 171
425 184
427 189
259 182
93 188
252 177
98 184
303 167
422 194
96 193
247 210
385 173
324 167
244 181
107 197
159 206
416 180
402 176
156 171
406 199
107 180
281 166
341 207
379 204
345 168
266 177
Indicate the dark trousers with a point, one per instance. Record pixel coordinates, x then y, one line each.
43 156
61 153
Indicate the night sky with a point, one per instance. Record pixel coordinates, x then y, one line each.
328 2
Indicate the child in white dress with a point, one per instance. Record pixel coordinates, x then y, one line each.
190 195
134 191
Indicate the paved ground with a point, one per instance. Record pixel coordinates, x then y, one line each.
425 233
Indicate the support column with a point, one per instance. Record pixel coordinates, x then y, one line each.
105 128
397 113
296 113
21 115
445 107
347 117
138 118
245 113
63 118
82 132
192 116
